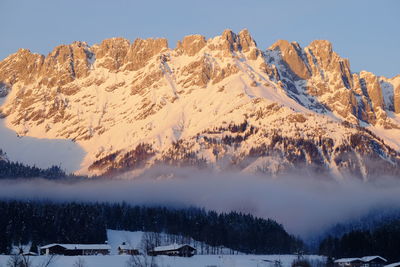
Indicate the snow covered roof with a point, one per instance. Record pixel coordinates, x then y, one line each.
393 264
170 247
79 246
344 260
364 259
125 247
30 253
370 258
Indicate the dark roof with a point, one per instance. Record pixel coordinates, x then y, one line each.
79 246
172 247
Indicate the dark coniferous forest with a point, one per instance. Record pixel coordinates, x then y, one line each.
18 170
46 222
383 240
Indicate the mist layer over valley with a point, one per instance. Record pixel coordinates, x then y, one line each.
305 205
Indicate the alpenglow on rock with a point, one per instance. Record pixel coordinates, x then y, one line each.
221 103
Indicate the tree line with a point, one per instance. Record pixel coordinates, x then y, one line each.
46 222
383 240
18 170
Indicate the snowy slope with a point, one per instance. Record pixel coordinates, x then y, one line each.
40 152
116 238
195 261
220 103
135 240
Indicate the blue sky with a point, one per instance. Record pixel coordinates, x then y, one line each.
367 32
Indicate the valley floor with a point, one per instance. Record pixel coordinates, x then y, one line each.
165 261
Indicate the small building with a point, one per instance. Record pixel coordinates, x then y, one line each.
125 249
348 262
373 261
75 249
174 250
367 261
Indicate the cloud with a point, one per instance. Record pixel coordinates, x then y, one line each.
305 205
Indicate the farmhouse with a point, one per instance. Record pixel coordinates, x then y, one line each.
174 250
374 261
348 262
367 261
125 249
75 249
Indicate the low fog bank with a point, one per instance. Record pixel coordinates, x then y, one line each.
306 206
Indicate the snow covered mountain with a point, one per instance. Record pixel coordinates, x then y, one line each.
222 103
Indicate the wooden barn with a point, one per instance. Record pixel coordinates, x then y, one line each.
367 261
174 250
75 249
374 261
125 249
349 262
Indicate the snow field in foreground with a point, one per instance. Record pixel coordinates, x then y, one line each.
165 261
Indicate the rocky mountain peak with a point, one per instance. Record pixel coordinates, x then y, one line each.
323 59
112 44
114 53
371 86
142 50
191 44
325 79
22 52
395 85
231 42
321 47
246 41
229 36
20 67
291 54
220 101
111 53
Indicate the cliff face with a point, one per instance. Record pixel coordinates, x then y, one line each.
324 82
220 102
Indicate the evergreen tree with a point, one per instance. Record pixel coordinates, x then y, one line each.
47 222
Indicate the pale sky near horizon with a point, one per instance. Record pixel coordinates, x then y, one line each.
367 32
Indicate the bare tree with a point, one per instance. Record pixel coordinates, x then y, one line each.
18 259
15 260
26 260
150 241
278 263
80 262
